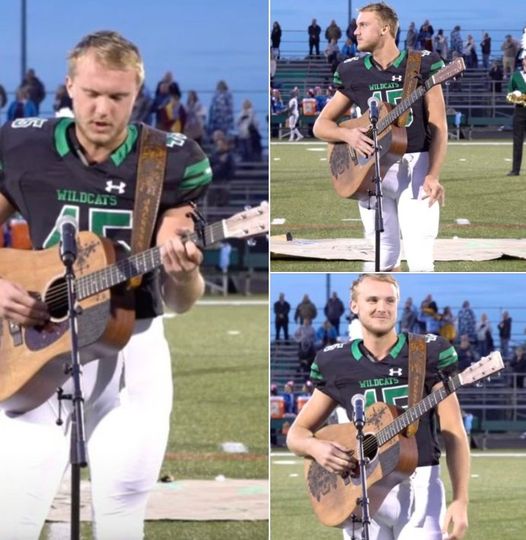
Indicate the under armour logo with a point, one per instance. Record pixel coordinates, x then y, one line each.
426 53
396 78
110 186
397 371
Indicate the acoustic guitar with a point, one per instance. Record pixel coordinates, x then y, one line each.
32 359
392 456
352 175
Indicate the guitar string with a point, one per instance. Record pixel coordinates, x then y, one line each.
404 420
59 293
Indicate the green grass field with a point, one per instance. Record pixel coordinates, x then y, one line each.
476 189
496 509
220 367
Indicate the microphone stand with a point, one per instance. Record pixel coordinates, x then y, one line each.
363 501
378 216
78 439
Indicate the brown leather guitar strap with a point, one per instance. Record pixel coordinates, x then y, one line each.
417 370
412 70
150 177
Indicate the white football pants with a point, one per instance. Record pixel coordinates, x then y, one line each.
406 214
128 399
413 510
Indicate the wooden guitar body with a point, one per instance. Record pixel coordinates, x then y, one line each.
334 497
105 321
353 175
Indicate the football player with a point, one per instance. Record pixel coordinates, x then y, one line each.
86 167
377 367
411 187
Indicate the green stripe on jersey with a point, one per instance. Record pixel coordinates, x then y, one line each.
337 79
198 174
61 140
315 373
355 349
447 357
395 351
125 148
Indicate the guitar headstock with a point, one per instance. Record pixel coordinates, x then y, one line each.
483 368
248 223
455 67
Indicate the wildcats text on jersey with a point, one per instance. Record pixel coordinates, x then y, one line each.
71 195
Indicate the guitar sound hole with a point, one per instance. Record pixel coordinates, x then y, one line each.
56 298
370 446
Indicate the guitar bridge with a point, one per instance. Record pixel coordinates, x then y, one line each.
15 330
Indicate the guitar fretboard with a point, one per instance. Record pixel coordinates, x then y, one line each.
138 264
414 413
387 120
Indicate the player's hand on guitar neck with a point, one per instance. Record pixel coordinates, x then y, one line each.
434 190
17 305
334 457
358 139
181 258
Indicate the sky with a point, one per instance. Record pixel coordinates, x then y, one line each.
491 292
200 41
474 16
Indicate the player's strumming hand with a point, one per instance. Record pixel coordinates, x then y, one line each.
181 258
334 457
18 306
456 519
358 139
434 190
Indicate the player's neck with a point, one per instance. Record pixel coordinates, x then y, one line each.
384 55
379 346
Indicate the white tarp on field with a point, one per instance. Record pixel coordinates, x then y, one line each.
358 249
194 500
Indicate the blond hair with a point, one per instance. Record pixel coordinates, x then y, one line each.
111 49
387 278
386 14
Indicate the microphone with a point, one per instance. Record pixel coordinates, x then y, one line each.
373 105
67 228
358 416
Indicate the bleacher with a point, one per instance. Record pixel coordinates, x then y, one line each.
248 267
284 363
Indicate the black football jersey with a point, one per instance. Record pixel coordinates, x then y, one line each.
360 78
345 369
43 177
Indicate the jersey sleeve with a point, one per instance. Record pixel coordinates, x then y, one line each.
342 79
443 359
188 172
320 375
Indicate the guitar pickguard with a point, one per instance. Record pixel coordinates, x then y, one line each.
38 338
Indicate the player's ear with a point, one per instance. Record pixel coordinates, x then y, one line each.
69 86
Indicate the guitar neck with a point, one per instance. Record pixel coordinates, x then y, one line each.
387 120
414 413
140 263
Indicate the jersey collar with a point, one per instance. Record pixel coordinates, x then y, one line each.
358 349
370 63
63 148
